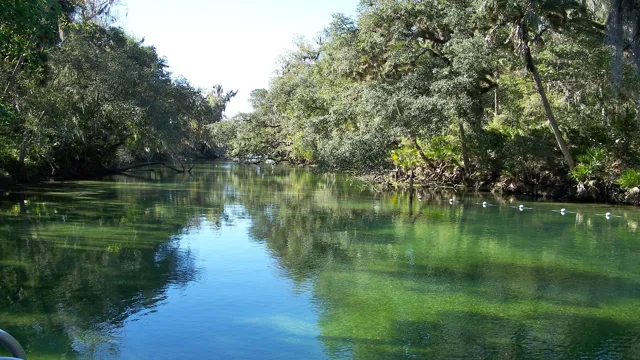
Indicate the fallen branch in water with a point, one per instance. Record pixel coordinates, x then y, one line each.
137 166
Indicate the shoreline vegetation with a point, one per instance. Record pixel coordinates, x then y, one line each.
81 98
538 98
543 187
535 98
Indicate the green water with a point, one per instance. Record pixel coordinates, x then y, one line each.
253 262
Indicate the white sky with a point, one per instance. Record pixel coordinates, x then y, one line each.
231 42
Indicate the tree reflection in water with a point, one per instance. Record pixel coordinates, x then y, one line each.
388 281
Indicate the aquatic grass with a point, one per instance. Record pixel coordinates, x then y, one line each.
384 279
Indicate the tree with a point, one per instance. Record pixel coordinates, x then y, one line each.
623 33
522 18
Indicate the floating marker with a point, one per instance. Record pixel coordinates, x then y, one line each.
564 211
521 207
450 201
485 204
608 215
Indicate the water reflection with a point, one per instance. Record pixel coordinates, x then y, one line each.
81 265
77 260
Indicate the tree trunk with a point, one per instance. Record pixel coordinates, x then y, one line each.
423 156
14 74
545 102
23 153
603 110
465 152
496 102
411 175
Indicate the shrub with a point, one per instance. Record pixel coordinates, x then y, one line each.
406 156
590 166
443 148
629 179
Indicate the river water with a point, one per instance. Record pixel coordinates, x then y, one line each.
250 262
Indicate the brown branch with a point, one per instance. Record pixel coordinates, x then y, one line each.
15 73
420 152
432 52
119 143
124 169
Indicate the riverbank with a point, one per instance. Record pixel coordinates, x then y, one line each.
8 183
542 185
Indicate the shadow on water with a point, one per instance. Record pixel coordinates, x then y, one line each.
439 281
77 259
468 335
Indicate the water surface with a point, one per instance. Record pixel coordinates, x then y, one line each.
254 262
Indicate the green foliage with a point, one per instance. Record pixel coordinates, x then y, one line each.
406 156
407 69
590 165
629 179
452 75
444 149
80 97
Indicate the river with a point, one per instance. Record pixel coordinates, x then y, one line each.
264 262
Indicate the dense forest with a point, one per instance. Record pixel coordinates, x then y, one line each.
527 96
536 97
82 98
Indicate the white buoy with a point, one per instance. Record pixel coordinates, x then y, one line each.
607 215
484 204
563 210
521 206
450 201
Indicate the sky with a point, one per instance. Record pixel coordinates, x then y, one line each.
235 43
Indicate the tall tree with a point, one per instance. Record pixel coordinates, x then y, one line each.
522 19
623 33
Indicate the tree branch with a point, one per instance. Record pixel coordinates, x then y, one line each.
124 169
432 52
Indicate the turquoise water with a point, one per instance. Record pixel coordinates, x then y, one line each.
280 263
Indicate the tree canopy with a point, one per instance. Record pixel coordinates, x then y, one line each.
500 91
80 97
505 94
